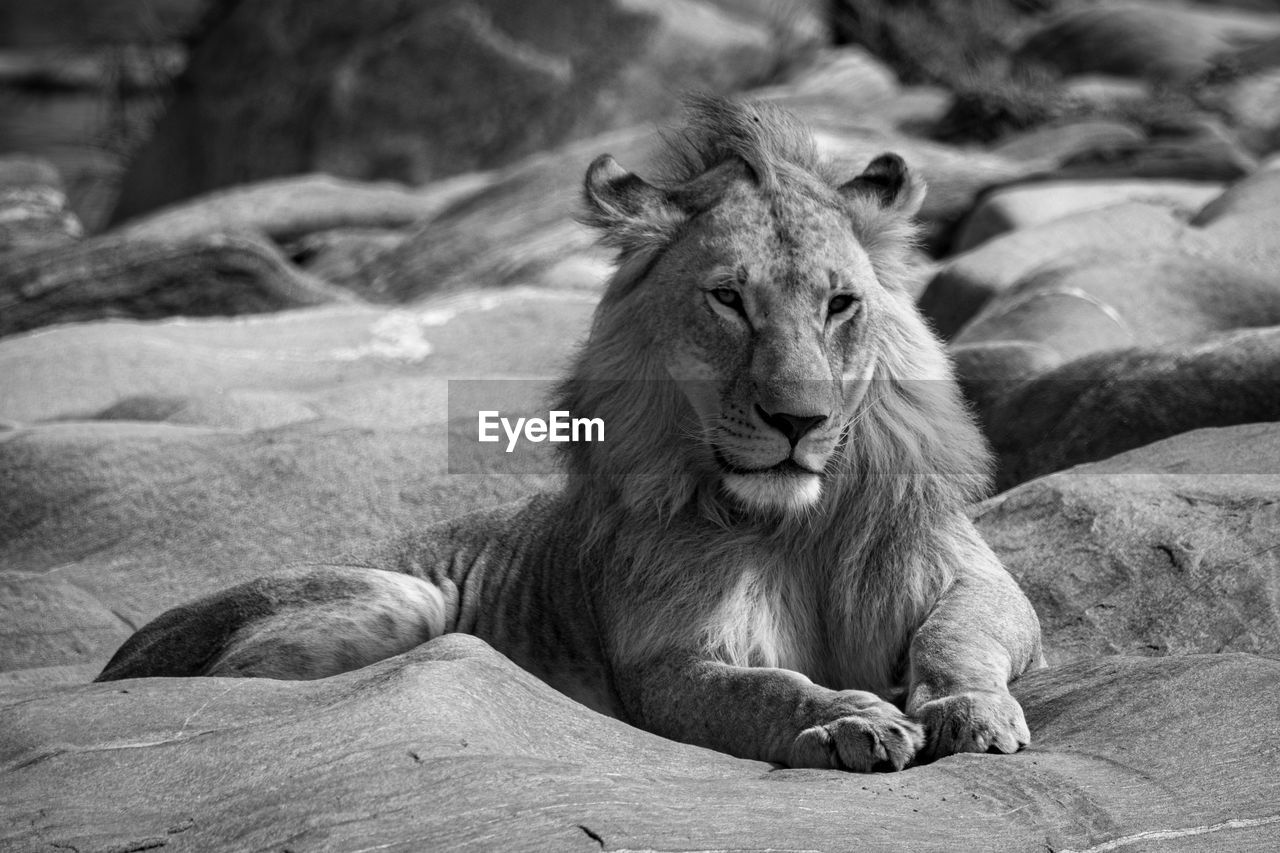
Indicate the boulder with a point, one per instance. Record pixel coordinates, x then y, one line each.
1156 41
81 82
1110 301
1167 549
1066 139
1222 265
148 463
1087 409
519 227
1247 92
1245 219
451 747
967 282
415 92
288 208
340 255
1010 208
220 274
1195 148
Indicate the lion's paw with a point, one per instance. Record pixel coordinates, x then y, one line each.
879 737
976 721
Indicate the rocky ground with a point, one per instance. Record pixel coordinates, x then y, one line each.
259 375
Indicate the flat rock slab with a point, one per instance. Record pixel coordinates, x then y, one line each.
145 464
453 747
1168 549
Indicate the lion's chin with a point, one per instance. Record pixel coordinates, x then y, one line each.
772 491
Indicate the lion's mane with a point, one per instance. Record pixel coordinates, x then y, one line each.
678 560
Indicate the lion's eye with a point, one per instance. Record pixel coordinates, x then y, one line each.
840 303
727 296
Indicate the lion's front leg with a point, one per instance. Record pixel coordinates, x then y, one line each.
767 714
982 634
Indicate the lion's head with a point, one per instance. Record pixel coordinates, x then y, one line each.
756 317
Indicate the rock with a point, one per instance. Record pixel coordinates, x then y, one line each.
1148 40
1085 349
1202 149
148 463
416 92
1232 242
289 208
1011 208
1060 141
1168 549
33 207
74 626
1126 299
1120 751
514 231
1244 222
520 229
969 281
848 80
118 277
340 256
1042 417
1245 202
81 82
1252 105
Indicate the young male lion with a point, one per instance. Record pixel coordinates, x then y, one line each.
770 555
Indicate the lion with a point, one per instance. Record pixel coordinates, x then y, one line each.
771 555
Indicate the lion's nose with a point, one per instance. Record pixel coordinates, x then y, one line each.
794 427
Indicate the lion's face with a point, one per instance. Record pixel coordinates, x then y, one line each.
752 279
768 323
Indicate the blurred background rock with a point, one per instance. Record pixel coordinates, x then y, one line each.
144 103
159 100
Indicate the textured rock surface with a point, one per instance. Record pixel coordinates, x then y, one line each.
452 747
1170 549
219 274
160 461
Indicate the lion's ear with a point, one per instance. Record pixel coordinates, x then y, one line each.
888 181
630 213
